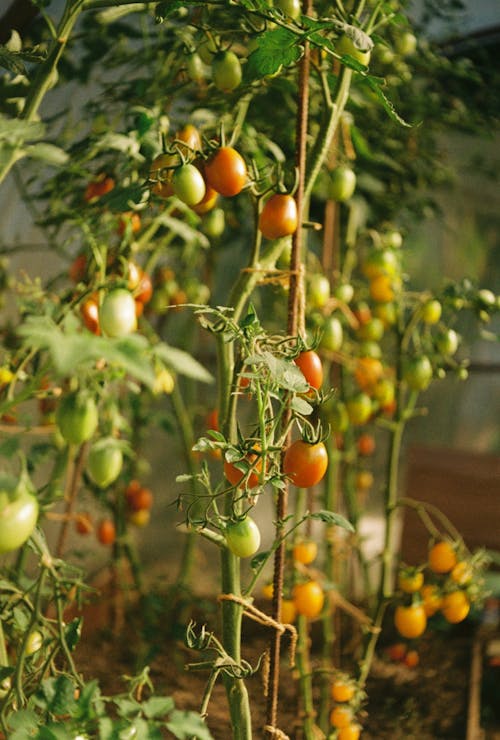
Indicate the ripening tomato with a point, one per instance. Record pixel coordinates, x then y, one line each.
364 480
305 552
372 330
341 716
359 408
160 174
83 523
139 518
342 184
207 203
18 513
188 184
311 367
442 557
245 478
226 71
368 372
343 690
383 288
455 606
98 187
117 314
345 45
305 463
380 262
397 651
139 283
410 621
104 462
77 417
279 216
129 221
190 137
243 537
106 532
89 311
226 171
78 268
212 421
308 598
411 659
462 573
139 498
366 444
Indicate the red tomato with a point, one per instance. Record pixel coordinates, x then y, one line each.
89 310
311 367
97 188
239 478
130 220
304 463
106 532
226 171
279 216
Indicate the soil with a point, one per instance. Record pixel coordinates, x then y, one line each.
426 702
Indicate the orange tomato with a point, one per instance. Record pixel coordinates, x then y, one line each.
368 372
98 187
410 580
442 557
431 598
455 606
239 478
106 532
288 611
341 716
308 598
226 171
129 220
89 311
278 217
342 690
305 552
410 621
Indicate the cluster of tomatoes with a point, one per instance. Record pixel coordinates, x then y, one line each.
448 584
346 696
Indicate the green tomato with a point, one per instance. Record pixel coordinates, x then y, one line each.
417 372
344 292
406 44
214 222
117 314
380 262
336 415
319 291
431 311
195 68
345 45
243 537
77 417
342 184
226 71
333 334
372 330
447 342
34 642
105 461
291 8
188 184
18 513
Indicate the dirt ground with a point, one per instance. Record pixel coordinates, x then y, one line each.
426 702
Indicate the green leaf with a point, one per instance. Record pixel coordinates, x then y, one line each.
15 131
184 230
257 560
188 725
57 695
284 372
182 362
158 706
124 198
277 48
301 406
388 106
11 61
73 632
330 517
128 708
22 724
10 446
47 153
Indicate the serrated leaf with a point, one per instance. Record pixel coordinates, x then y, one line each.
182 362
284 372
388 106
277 48
47 153
331 517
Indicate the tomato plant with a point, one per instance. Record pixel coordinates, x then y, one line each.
305 463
